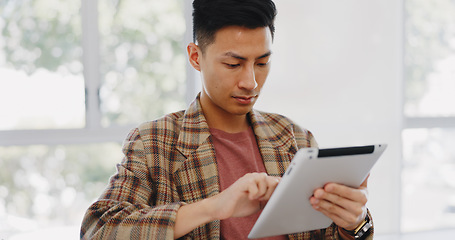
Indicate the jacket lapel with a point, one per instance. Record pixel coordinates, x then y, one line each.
276 145
197 175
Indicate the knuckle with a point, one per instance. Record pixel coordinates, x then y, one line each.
352 219
331 207
330 187
319 193
336 198
257 175
247 176
358 212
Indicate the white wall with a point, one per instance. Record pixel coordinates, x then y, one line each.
337 70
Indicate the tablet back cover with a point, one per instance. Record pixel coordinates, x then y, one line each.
289 209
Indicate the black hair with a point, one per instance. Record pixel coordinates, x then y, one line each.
209 16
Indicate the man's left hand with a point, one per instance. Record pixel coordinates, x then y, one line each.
344 205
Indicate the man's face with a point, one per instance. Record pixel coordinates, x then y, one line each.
234 69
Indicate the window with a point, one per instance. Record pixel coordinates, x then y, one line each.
75 77
428 183
143 56
51 185
42 84
429 58
428 201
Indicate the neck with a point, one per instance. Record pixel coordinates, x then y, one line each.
233 124
223 120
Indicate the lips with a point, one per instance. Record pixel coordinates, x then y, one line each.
245 99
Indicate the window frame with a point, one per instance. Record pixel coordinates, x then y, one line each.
417 122
93 132
429 122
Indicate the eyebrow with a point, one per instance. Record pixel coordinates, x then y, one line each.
234 55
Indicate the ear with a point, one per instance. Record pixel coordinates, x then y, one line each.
194 54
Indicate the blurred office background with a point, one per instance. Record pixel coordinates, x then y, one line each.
75 76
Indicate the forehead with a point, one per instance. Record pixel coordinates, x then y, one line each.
242 40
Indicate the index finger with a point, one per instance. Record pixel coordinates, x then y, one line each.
354 194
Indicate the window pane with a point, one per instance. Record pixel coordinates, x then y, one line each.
143 59
43 187
428 200
430 58
41 81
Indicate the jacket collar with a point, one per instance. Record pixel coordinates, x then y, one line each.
195 131
275 141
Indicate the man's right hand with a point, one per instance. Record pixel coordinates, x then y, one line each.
246 196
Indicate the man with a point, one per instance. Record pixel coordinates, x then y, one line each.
205 173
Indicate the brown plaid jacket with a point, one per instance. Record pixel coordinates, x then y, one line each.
170 162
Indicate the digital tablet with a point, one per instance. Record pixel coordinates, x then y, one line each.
289 210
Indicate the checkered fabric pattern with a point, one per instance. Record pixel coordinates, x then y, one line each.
170 162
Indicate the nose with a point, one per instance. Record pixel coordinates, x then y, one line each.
248 79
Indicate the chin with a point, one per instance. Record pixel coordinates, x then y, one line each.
242 111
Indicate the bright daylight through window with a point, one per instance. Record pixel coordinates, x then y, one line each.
143 60
428 179
41 81
140 74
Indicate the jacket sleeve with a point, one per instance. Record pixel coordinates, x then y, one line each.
126 209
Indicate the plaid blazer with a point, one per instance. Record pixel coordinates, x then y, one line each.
170 162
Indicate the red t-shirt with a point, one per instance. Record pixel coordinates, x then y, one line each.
237 154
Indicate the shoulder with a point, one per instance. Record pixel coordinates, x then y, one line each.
162 129
281 126
170 121
274 119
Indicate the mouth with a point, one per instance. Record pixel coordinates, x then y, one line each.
245 99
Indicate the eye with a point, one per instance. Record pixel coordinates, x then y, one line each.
263 64
232 65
